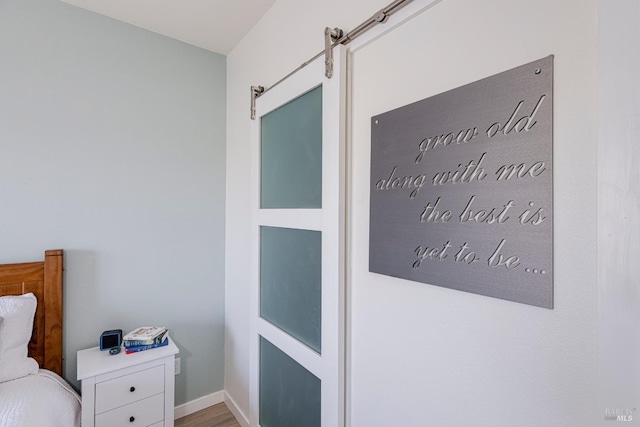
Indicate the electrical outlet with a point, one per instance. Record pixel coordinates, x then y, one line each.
176 366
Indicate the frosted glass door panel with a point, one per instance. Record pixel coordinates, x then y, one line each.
289 394
291 154
290 282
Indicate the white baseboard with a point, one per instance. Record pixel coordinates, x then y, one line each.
200 404
231 404
210 400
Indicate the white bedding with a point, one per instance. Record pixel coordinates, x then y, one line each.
42 399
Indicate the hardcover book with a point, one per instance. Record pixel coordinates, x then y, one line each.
139 348
145 341
145 333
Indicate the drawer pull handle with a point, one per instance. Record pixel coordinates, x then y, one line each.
132 389
131 419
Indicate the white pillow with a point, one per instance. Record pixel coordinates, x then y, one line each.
15 332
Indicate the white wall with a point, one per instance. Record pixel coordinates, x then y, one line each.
428 355
112 148
619 206
424 355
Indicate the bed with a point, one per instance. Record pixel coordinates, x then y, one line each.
32 391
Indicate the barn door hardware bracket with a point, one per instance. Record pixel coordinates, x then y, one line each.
331 36
256 91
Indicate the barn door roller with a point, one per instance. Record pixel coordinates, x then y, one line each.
330 36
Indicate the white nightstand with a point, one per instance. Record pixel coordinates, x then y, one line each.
127 389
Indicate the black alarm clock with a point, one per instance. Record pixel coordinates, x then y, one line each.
111 339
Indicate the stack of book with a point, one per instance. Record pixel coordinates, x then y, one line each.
145 338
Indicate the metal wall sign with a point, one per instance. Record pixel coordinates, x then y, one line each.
461 188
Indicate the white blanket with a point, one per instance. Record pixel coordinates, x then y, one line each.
42 399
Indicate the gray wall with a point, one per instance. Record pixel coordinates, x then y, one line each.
112 147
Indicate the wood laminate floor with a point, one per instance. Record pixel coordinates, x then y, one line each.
213 416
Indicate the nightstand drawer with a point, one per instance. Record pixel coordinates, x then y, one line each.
139 414
129 388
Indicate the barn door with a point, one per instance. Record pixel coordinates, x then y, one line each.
297 292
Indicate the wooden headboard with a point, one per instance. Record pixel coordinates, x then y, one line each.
44 279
